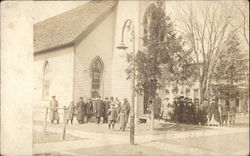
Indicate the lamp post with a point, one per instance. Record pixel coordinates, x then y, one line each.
122 46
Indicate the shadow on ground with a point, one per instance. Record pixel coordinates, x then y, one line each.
179 127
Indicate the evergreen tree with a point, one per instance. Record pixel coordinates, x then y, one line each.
163 60
230 67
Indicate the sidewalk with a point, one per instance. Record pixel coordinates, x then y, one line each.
94 139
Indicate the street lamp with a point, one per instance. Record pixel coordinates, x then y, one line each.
123 47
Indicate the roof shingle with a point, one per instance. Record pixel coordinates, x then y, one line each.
65 28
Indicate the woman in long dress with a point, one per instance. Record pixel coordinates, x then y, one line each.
214 117
123 115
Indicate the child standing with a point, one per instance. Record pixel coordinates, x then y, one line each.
112 115
232 113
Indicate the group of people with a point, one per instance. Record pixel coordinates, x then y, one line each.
185 110
109 110
182 110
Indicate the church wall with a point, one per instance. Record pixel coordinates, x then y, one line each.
61 85
99 43
121 87
61 65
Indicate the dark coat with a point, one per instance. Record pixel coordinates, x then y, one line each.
80 110
214 110
112 114
190 111
202 116
206 107
177 114
71 112
106 107
184 112
232 111
196 116
224 110
99 106
89 108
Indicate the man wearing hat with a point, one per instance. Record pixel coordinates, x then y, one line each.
184 111
88 109
224 114
98 109
105 110
232 112
80 110
206 109
54 110
196 102
177 111
191 112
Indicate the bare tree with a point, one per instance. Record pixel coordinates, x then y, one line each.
241 22
205 29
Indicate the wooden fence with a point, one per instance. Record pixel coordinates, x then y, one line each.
46 118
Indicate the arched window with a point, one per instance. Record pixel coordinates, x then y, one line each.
149 14
46 80
96 75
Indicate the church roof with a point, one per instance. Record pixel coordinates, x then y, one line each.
66 28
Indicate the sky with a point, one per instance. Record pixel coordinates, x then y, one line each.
46 9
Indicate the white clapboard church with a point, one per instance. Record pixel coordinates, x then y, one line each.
75 53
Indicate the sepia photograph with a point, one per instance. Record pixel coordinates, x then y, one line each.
125 78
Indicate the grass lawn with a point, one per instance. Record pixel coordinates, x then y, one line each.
218 143
39 137
123 150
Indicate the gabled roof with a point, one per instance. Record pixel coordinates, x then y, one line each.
66 28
